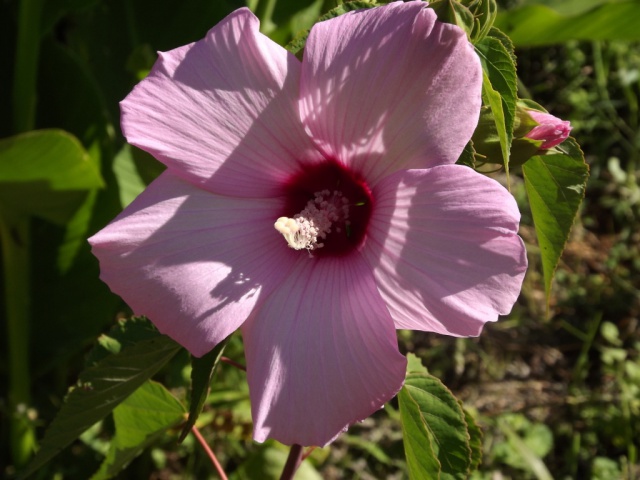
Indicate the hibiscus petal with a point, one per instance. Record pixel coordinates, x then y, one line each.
390 88
222 112
445 251
321 353
195 263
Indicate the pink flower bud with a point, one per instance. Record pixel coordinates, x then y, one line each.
551 130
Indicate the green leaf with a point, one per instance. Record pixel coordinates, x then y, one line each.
468 156
496 56
139 420
201 373
531 460
296 45
493 99
414 364
100 389
535 25
555 185
475 439
435 431
46 173
422 460
125 333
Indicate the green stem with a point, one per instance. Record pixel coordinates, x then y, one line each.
14 238
14 241
26 67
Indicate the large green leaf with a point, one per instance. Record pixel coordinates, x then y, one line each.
436 437
140 420
46 173
535 25
555 185
100 389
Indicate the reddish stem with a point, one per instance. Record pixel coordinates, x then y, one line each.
209 452
235 364
293 462
307 453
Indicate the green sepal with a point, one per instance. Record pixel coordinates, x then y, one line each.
453 12
484 13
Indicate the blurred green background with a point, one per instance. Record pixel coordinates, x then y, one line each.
557 393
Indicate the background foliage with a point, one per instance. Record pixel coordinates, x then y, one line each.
557 393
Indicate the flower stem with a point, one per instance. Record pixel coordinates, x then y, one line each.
233 363
14 243
209 452
26 66
293 462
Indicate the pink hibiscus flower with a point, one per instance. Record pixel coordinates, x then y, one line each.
350 153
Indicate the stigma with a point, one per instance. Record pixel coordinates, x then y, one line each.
327 212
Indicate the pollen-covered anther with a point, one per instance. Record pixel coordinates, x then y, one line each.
315 221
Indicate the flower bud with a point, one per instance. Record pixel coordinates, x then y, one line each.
551 130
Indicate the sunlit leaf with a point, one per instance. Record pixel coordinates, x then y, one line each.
493 99
555 185
46 173
434 428
496 56
535 25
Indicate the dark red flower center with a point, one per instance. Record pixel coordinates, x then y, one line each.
327 210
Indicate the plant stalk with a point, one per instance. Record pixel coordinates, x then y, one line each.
14 242
293 462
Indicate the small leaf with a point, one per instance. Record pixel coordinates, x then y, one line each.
46 173
139 421
438 426
414 364
468 156
555 185
201 373
100 389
